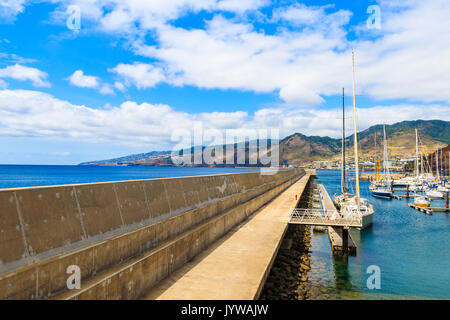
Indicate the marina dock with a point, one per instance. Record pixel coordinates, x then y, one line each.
335 234
428 210
371 176
328 217
421 209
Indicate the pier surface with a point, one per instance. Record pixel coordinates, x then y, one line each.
237 265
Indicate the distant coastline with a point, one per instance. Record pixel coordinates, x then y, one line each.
300 150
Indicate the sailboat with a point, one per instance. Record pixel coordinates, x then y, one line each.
432 192
384 190
420 180
443 187
339 199
354 205
375 181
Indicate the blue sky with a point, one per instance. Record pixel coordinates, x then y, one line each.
136 71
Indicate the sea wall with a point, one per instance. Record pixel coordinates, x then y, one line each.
101 226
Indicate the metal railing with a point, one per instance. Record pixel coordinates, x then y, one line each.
320 217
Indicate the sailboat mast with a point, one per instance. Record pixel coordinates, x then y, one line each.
417 156
385 156
375 155
343 188
356 136
421 163
447 167
437 161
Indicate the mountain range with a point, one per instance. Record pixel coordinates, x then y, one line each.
299 149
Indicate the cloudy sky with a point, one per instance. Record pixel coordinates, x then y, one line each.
134 71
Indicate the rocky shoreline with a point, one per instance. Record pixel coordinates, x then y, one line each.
288 278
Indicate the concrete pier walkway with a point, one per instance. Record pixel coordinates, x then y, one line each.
235 266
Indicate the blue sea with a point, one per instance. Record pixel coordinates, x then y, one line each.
411 249
16 176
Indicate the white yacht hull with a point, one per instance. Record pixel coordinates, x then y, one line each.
367 220
434 194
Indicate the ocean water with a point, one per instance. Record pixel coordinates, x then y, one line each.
16 176
411 249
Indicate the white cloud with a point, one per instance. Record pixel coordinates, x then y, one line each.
106 89
299 14
312 17
408 58
411 58
303 64
141 75
79 79
134 16
241 6
3 84
20 72
305 59
36 114
223 120
329 122
299 96
232 55
119 86
14 58
9 9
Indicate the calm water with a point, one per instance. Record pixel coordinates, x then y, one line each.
14 176
411 248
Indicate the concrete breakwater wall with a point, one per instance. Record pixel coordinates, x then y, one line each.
137 231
